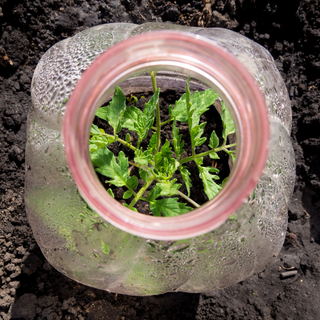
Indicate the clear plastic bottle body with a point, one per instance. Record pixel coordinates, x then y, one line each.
83 246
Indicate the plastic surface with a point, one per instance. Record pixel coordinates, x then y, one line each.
80 244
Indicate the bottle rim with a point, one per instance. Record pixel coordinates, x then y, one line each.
203 59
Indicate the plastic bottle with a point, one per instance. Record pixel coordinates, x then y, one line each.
137 254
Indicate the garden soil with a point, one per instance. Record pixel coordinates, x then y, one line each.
32 289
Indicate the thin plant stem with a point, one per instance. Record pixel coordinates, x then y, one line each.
162 124
141 191
120 140
165 122
188 112
200 155
182 195
158 120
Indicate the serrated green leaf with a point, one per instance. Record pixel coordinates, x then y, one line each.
94 129
214 155
113 113
101 157
152 144
200 141
231 153
135 120
199 100
196 133
228 125
169 207
144 175
132 182
142 157
130 118
153 194
107 165
92 148
211 188
141 122
100 141
214 140
169 188
158 160
176 138
165 164
110 192
166 150
102 113
185 174
127 195
150 107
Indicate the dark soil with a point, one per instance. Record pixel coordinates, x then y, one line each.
32 289
166 99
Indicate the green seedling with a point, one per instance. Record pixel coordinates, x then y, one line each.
158 163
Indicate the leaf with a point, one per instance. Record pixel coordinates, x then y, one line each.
144 174
99 141
228 125
130 118
169 207
185 176
150 106
231 154
132 182
169 188
101 157
135 120
158 160
142 157
153 194
107 165
115 110
214 155
196 133
94 129
165 165
195 106
176 138
141 122
110 192
128 138
214 140
200 100
211 188
127 194
152 143
92 148
102 113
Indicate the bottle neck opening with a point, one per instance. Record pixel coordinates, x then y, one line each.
175 54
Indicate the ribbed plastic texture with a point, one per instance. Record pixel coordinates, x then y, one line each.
75 239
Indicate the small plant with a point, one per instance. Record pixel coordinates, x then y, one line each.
158 163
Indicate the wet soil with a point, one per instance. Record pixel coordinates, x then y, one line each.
32 289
